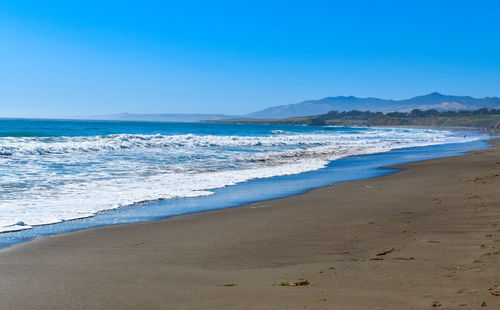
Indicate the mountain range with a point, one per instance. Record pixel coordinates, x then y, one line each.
341 103
434 100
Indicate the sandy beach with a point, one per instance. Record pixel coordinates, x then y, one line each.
435 224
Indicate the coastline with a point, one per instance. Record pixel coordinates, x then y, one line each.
441 217
345 169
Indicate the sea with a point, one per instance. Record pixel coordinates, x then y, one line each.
64 175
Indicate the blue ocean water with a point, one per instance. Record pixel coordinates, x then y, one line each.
64 175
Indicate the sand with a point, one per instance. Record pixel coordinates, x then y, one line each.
442 217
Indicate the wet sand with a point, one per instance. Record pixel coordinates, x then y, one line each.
442 217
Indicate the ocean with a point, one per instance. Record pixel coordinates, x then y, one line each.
64 175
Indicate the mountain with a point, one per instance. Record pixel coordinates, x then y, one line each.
172 117
316 107
435 100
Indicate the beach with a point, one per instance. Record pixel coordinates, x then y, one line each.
434 225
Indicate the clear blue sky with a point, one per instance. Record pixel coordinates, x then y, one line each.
62 58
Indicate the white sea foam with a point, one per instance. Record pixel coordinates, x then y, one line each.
47 180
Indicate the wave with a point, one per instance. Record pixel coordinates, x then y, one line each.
10 146
48 180
47 145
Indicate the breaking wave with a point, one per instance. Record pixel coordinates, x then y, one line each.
51 179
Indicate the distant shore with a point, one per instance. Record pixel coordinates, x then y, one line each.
425 237
495 132
482 119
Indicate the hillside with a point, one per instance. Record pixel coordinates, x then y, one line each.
435 101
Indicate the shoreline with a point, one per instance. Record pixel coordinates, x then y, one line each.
445 237
332 173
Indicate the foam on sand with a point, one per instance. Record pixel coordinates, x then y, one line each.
52 179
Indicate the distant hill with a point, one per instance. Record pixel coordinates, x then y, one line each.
436 101
172 117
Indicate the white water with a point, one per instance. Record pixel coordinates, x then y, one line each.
47 180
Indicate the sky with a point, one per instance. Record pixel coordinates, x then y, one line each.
80 58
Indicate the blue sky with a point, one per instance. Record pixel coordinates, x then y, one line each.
62 58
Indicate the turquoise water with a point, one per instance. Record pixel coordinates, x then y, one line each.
58 176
